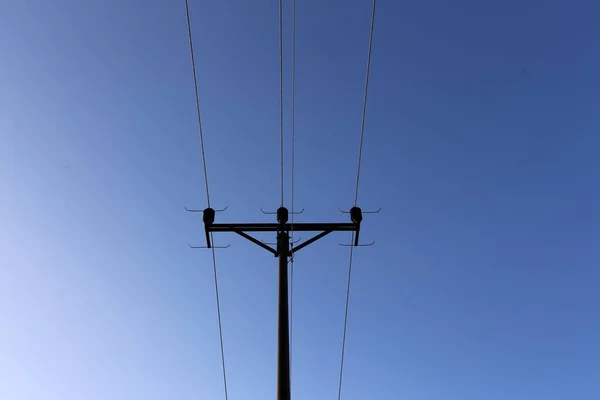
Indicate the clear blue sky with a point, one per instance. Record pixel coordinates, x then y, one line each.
482 147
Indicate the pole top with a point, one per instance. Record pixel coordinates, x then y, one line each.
282 215
208 216
356 215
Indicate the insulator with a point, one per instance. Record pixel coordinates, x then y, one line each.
282 215
208 216
356 215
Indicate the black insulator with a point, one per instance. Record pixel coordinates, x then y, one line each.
356 215
282 215
208 216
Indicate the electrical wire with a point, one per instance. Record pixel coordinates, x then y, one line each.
364 111
189 27
346 319
281 90
362 135
219 314
293 176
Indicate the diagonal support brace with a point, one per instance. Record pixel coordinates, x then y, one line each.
258 242
312 240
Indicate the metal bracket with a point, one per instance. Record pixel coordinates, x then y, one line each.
356 217
206 247
311 240
275 212
197 210
208 216
281 227
364 212
356 245
258 242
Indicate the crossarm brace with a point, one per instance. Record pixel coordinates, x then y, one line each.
312 240
258 242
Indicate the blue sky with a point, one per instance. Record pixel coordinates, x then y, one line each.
481 147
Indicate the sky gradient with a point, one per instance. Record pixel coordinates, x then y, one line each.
481 146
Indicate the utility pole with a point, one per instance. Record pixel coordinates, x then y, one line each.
283 252
283 322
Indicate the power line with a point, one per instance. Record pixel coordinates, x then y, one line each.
364 111
293 176
362 135
219 316
281 90
189 26
345 319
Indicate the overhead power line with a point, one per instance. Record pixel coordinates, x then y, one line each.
362 135
189 27
214 259
281 91
345 320
293 176
364 111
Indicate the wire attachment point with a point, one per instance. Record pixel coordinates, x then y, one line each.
356 245
198 210
275 212
208 217
364 212
207 247
356 216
